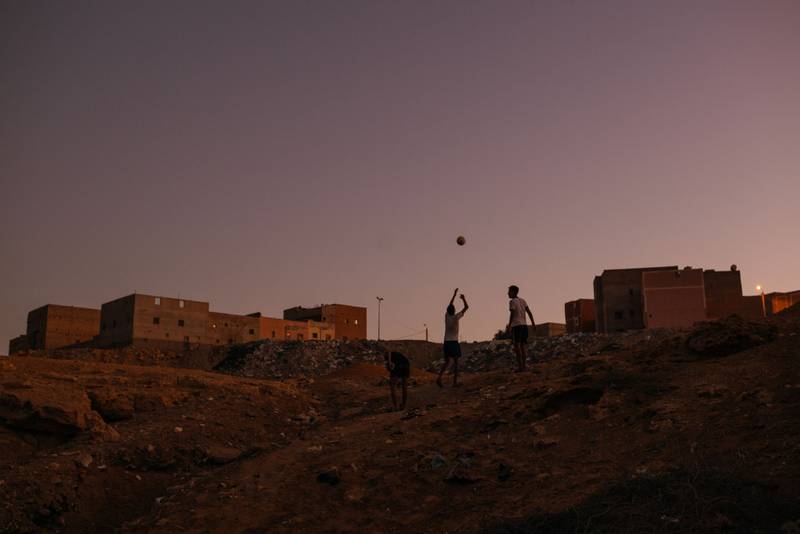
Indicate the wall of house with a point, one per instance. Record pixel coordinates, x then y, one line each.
18 344
777 302
169 319
226 328
579 315
349 322
673 299
116 322
723 293
618 298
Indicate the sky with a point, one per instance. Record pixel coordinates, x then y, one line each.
260 155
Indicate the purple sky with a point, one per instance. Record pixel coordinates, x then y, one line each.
260 155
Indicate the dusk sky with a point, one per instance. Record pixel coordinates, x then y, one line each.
261 155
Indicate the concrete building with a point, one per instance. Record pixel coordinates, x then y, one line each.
618 298
673 299
579 315
547 330
53 327
777 302
349 322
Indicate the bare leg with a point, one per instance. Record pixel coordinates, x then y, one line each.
520 361
442 370
392 383
523 351
405 392
455 372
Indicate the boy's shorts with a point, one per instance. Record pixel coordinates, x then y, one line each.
452 349
519 333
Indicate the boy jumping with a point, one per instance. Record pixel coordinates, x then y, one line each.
451 347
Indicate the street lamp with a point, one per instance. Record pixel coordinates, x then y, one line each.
763 301
426 331
380 299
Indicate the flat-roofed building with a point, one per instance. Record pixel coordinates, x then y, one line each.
618 298
54 326
673 299
349 322
579 315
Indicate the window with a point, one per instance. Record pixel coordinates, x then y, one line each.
347 321
156 320
158 301
630 292
252 332
618 315
114 323
214 325
180 322
180 304
273 333
103 327
218 342
186 339
300 336
166 334
230 341
356 321
631 312
314 335
328 337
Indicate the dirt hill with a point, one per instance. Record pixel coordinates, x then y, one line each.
665 433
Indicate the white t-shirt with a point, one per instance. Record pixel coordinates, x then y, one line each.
451 326
517 307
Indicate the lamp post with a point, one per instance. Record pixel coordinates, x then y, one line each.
380 299
763 301
426 331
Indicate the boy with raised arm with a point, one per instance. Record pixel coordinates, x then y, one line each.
451 347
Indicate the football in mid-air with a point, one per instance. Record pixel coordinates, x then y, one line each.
461 240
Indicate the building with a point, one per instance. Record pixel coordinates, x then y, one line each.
579 315
54 326
547 330
777 302
349 322
673 299
618 298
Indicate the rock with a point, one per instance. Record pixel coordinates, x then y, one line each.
112 407
545 443
329 477
437 461
84 460
221 455
54 408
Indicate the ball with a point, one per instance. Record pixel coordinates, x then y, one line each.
461 240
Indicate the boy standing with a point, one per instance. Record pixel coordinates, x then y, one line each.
517 325
451 347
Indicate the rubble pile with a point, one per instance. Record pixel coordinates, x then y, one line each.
295 359
728 336
498 354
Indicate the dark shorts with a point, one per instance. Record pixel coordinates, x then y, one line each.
519 333
452 349
401 368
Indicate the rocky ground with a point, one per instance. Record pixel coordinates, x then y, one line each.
652 432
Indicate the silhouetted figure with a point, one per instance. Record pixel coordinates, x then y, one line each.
517 325
451 347
399 371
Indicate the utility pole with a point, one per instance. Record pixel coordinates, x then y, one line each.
380 299
426 332
763 303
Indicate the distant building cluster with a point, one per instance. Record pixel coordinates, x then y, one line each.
654 297
163 322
